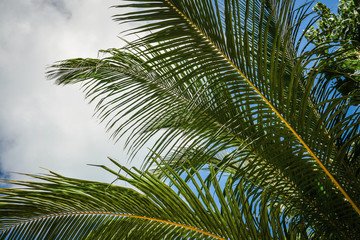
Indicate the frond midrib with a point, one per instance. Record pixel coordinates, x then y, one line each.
113 215
285 122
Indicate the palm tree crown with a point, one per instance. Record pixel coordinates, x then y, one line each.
245 128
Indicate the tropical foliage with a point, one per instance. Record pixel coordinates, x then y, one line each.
76 209
250 140
341 32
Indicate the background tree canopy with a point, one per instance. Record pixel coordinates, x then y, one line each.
251 139
342 32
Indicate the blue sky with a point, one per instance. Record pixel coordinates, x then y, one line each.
332 4
43 125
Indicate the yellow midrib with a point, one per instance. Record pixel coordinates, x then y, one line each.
274 109
119 215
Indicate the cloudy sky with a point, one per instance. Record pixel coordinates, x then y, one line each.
41 124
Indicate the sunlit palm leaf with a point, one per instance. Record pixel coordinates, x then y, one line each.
66 208
217 76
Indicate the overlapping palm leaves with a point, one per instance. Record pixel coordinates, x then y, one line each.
224 82
66 208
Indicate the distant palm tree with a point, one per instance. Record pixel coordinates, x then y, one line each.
245 137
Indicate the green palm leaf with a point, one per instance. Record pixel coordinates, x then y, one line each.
227 77
67 208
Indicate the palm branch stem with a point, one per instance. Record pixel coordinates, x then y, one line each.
116 215
332 178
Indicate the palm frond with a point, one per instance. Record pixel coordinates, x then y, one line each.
61 207
217 76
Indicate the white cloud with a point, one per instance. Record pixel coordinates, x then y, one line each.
43 125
